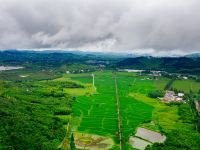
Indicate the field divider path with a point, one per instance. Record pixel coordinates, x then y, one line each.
118 113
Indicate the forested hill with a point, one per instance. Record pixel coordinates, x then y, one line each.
189 65
170 64
20 57
52 58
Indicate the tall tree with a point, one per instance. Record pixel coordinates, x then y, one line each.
72 144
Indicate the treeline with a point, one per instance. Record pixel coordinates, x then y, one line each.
168 86
176 65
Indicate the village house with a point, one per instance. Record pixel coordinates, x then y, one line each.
170 96
185 78
67 72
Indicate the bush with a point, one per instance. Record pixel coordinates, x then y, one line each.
62 112
155 94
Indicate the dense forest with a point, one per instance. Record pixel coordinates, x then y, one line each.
170 64
34 112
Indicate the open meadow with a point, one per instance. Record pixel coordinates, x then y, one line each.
186 85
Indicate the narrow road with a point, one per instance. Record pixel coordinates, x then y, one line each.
118 113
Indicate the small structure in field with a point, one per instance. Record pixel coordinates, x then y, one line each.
67 72
197 105
156 74
170 96
93 79
181 94
24 76
185 78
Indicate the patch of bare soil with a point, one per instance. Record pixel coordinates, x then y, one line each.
138 143
144 137
149 135
92 142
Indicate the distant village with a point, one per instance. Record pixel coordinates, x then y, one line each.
156 74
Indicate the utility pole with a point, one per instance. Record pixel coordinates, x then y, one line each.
93 80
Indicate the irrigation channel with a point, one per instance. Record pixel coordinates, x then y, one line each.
118 113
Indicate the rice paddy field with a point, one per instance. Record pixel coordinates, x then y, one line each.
96 113
133 112
186 85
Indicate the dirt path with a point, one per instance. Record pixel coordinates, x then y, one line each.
118 112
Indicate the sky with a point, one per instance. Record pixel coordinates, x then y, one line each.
156 27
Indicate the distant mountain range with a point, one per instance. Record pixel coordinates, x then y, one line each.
105 54
187 64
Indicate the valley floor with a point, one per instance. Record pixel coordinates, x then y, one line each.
96 114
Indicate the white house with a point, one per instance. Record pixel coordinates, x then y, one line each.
180 94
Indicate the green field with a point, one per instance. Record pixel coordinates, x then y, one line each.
97 113
187 85
133 112
70 104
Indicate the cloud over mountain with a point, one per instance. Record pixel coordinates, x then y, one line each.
142 26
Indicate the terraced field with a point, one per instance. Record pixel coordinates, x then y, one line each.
98 113
133 112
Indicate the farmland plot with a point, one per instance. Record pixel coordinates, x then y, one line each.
98 113
133 112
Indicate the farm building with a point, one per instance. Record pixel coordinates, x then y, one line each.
170 96
180 94
197 104
185 78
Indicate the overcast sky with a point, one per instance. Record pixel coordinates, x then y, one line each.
158 27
